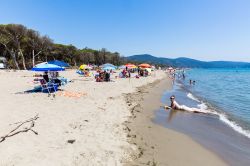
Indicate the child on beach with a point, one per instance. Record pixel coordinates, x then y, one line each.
176 106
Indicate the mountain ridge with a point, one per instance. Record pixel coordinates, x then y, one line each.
187 62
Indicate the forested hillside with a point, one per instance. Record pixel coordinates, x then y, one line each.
24 47
187 62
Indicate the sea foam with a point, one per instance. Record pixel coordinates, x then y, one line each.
202 106
189 95
236 127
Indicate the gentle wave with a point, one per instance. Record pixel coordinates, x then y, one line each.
202 106
234 125
189 95
222 117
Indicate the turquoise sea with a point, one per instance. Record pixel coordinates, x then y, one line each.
226 94
227 91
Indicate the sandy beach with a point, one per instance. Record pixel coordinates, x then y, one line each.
87 124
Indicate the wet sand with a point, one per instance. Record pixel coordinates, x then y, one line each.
157 145
208 130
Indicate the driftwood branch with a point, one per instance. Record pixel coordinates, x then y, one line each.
15 131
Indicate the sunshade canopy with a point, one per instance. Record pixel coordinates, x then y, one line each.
83 67
109 68
47 67
107 65
130 66
122 67
145 65
59 63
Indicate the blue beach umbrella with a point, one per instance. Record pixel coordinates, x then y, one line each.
122 67
108 65
47 67
59 63
109 68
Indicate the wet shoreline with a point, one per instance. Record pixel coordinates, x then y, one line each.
208 130
155 144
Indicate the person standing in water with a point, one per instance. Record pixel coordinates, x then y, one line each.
174 105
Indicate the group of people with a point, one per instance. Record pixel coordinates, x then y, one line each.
103 76
126 73
52 77
192 82
143 72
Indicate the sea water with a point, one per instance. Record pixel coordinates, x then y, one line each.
225 93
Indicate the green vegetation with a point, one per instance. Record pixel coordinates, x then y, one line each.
23 48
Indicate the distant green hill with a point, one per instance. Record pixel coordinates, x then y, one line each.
187 62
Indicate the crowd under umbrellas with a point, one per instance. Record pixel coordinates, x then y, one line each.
103 72
50 81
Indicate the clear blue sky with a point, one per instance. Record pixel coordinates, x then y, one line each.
200 29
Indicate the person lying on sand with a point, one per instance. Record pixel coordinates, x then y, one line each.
174 105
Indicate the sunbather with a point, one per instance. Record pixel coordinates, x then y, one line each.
176 106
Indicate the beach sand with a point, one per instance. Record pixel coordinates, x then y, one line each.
85 125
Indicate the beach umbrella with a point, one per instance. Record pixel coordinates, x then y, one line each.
107 65
109 68
59 63
144 65
130 66
83 67
122 67
47 67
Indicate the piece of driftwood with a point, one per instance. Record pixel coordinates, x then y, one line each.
15 131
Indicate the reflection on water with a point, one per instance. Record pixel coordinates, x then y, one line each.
171 115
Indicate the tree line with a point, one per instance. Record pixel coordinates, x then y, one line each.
23 48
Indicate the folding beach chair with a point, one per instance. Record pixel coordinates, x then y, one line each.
48 86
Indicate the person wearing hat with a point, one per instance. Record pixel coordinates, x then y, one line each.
174 105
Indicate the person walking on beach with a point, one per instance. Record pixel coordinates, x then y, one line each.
174 105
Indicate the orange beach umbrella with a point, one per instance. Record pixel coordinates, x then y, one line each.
145 65
130 66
